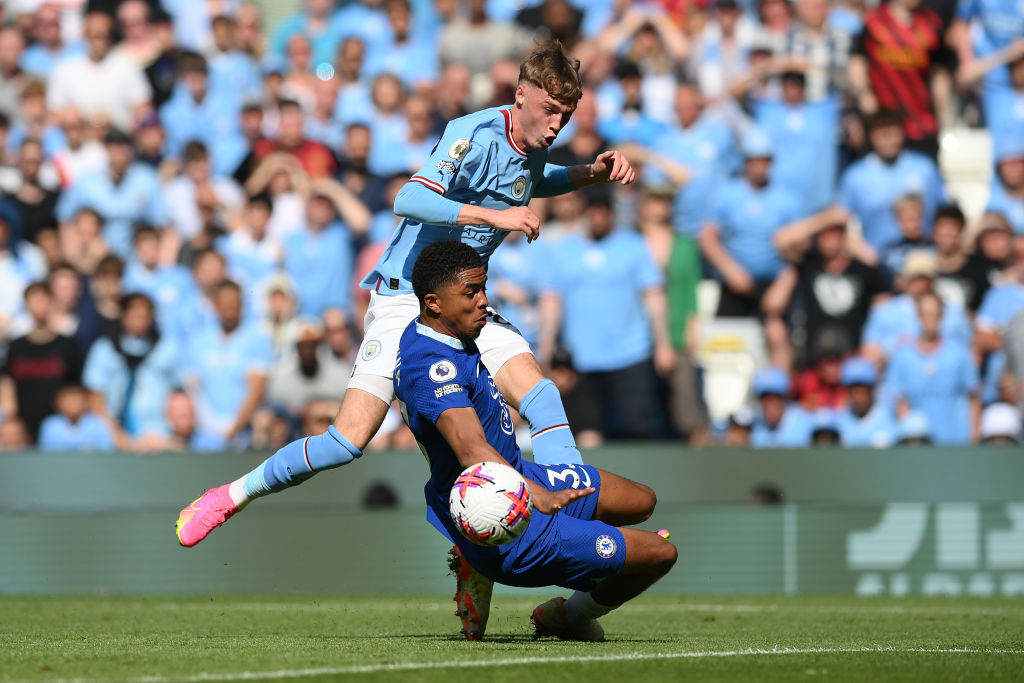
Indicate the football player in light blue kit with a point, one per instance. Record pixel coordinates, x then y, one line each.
474 188
460 419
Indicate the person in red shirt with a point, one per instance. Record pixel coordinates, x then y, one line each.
316 159
896 65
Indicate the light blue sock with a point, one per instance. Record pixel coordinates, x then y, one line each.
549 427
300 460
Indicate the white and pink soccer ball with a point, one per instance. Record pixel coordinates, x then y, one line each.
490 503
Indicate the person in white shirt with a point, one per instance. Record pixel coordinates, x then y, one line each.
101 81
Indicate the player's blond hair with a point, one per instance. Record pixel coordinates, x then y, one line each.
549 68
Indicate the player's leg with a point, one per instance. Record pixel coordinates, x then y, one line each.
623 502
518 377
648 558
363 408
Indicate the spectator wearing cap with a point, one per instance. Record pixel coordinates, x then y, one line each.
102 81
125 193
937 377
869 187
319 258
132 370
963 278
1006 193
894 322
704 147
831 281
198 113
895 63
779 424
605 293
307 371
803 134
226 370
738 240
629 123
863 422
1000 425
824 430
914 429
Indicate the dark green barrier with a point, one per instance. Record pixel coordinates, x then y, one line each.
919 521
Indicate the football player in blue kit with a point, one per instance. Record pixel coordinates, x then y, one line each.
474 188
450 402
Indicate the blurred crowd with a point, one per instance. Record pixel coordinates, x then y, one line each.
189 192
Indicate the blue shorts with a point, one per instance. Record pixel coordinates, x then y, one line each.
569 549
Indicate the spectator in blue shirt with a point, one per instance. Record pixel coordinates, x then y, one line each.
317 22
227 370
804 137
410 55
983 28
197 112
168 287
937 377
73 427
320 257
914 429
894 322
1006 193
48 46
704 146
863 422
869 187
133 369
231 70
630 123
252 255
779 423
124 194
407 150
606 293
1001 305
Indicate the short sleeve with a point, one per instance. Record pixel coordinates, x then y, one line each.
430 383
455 156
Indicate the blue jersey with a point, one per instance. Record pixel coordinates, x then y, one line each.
435 372
1011 206
877 429
478 162
793 431
748 219
869 188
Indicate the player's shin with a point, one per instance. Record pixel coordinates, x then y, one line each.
553 443
294 463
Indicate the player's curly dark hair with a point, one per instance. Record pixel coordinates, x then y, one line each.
440 263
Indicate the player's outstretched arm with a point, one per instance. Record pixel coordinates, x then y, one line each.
462 430
421 204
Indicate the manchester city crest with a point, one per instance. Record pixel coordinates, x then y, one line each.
519 187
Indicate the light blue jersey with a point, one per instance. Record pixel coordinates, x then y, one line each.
793 431
1012 207
937 384
478 162
869 188
995 24
748 218
894 323
805 157
89 433
602 284
877 429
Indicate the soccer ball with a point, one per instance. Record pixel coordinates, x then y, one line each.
490 503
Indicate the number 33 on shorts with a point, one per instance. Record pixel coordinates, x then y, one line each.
567 476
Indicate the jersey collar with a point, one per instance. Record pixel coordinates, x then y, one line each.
434 334
507 113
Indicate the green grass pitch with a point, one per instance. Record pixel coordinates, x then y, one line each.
393 638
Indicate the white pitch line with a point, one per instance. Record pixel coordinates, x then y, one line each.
489 663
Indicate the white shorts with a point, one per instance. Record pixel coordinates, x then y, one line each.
386 320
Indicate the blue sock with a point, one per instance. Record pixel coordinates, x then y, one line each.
300 460
549 427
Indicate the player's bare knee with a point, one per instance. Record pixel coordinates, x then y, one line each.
650 501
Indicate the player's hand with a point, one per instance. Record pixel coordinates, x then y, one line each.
550 502
612 166
518 219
